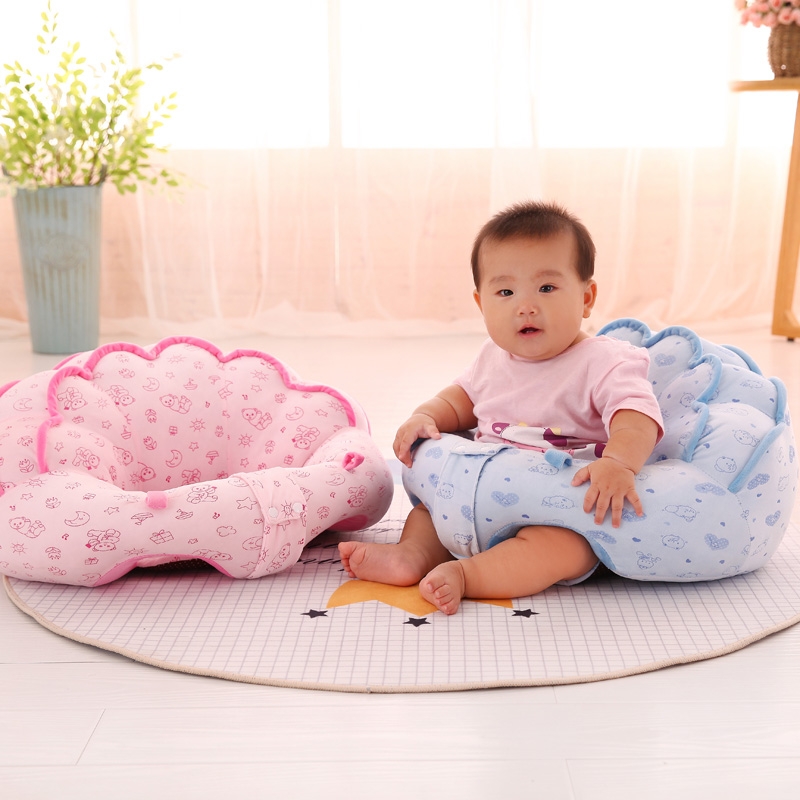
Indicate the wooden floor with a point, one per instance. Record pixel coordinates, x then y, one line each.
78 722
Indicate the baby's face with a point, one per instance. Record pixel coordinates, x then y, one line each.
531 297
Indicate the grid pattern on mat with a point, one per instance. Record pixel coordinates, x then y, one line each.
278 630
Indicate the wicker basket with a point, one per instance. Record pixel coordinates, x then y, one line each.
783 51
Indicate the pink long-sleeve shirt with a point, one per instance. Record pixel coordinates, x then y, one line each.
576 392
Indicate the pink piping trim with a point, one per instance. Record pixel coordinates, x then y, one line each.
7 386
64 370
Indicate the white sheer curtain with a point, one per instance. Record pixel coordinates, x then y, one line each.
342 154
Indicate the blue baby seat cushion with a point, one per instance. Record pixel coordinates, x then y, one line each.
718 489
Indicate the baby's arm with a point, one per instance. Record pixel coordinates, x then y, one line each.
451 410
632 437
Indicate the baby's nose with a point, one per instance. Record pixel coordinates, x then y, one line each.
526 305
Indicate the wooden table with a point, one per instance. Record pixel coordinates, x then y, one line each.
784 320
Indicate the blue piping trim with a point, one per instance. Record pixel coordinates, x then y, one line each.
781 399
746 358
701 403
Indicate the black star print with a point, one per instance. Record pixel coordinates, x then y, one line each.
311 613
528 612
416 622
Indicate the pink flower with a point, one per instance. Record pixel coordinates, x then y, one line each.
768 12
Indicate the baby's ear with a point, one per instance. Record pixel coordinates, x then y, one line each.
477 297
589 297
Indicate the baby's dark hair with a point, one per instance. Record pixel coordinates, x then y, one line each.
536 220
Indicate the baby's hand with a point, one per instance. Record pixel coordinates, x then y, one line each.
417 426
611 484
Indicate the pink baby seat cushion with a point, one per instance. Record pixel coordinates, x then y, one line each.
127 456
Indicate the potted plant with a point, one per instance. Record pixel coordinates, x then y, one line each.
65 130
783 18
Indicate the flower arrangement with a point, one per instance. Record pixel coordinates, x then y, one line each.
76 125
769 13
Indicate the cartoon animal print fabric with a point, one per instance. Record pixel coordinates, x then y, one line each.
129 456
718 490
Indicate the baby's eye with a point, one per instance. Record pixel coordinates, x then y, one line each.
547 288
505 293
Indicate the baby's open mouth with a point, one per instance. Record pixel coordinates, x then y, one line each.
528 329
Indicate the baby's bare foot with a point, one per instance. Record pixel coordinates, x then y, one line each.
444 586
383 563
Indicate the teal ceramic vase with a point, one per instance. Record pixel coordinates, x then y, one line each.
59 233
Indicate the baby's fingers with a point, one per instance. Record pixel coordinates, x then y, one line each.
633 499
405 440
601 508
590 498
403 451
402 448
403 455
430 432
581 476
617 504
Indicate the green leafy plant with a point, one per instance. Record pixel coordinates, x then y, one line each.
77 125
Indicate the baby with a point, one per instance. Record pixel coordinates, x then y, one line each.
532 266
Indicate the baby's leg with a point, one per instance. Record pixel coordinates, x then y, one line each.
535 559
403 564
